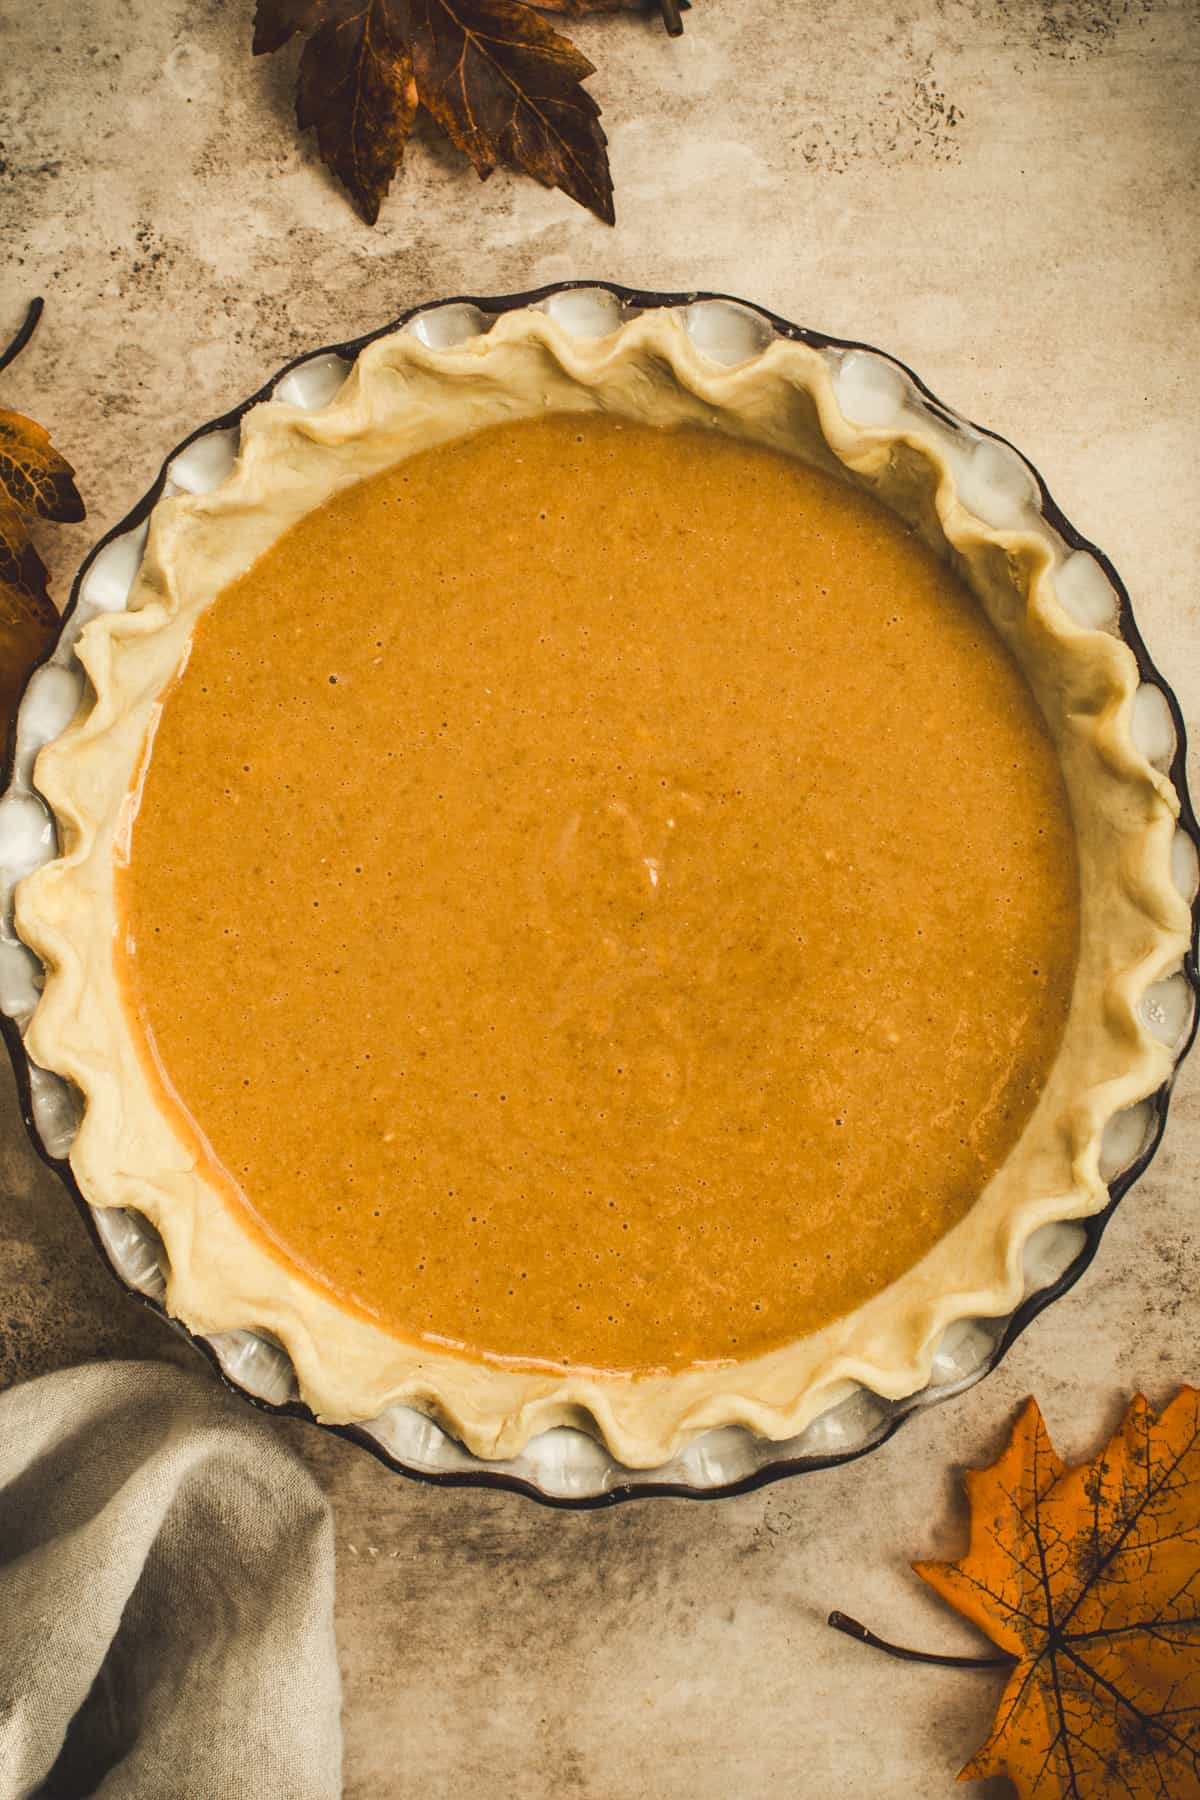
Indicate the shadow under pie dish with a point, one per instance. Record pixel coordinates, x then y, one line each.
598 887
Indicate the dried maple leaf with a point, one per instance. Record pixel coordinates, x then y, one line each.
503 85
1089 1578
34 479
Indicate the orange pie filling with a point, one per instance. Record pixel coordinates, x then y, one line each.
599 896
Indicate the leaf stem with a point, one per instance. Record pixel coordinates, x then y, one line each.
672 17
852 1628
24 334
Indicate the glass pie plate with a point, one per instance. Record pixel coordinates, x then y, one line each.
564 1466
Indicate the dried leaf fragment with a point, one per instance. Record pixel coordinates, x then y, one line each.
276 21
28 619
356 90
20 565
28 622
1090 1578
33 474
355 85
505 87
580 9
35 480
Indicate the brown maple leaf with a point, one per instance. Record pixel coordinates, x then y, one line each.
34 480
503 85
1089 1578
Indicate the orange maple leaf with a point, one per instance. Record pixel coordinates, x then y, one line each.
1089 1578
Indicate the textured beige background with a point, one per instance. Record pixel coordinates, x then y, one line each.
1004 195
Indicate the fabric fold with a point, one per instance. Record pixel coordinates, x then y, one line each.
166 1596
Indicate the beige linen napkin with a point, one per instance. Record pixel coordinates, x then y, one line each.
166 1596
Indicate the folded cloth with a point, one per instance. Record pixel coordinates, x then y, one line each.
166 1596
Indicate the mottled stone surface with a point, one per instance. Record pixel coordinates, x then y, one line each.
1004 195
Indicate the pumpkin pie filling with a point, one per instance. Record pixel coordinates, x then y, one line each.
599 896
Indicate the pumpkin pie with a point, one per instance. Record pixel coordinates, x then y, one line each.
596 890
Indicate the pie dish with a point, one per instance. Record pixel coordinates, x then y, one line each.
785 395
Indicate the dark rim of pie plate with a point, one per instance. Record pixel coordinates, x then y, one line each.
1158 1102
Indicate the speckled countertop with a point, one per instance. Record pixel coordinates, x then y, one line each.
1003 194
